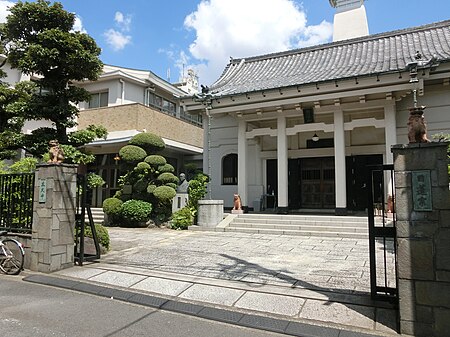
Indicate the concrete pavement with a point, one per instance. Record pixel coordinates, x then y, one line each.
321 283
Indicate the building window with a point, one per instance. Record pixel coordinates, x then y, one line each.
161 104
98 99
230 169
308 115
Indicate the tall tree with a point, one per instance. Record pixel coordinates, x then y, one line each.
39 40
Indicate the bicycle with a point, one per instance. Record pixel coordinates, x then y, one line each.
12 255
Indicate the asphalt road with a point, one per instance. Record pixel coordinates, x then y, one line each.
28 309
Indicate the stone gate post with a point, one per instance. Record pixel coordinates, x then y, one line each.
52 246
423 238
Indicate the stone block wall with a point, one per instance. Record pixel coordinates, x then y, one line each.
52 246
423 242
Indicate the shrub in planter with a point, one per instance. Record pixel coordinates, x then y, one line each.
136 212
164 193
150 142
132 153
155 160
102 235
182 219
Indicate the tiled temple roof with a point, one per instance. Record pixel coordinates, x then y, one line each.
363 56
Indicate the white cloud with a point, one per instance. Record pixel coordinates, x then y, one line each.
116 39
4 12
240 28
123 21
78 25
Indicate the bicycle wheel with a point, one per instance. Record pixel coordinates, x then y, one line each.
12 264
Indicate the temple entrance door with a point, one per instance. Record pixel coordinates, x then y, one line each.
317 183
357 172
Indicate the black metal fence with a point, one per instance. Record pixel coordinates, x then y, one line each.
83 253
382 233
16 202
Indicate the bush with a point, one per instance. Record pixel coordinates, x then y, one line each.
112 206
140 185
166 168
164 193
132 153
167 177
102 234
94 180
151 188
136 211
142 167
155 160
173 185
150 142
182 219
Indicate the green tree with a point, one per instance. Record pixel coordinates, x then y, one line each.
12 102
39 40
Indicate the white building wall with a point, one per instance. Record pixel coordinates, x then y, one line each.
437 101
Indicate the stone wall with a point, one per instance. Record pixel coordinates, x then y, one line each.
423 240
52 246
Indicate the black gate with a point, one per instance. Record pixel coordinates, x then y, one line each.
382 233
16 202
85 249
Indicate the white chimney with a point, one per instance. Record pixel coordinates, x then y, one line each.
350 20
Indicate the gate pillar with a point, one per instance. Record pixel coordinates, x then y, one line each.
423 238
53 217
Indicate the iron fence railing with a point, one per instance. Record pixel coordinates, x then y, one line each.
16 202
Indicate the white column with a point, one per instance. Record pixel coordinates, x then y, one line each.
390 130
390 134
207 150
282 163
339 163
242 163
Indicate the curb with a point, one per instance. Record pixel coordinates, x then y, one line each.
222 315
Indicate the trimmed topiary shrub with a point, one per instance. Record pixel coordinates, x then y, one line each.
112 206
155 160
164 193
167 178
132 154
142 167
166 168
151 188
173 185
182 219
150 142
135 212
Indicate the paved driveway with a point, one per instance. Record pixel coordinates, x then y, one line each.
327 264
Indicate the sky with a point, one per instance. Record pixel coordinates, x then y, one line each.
168 37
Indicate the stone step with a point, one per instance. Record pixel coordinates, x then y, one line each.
300 222
97 215
297 232
307 218
305 227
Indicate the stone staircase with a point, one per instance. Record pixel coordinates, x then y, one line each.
97 215
305 225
